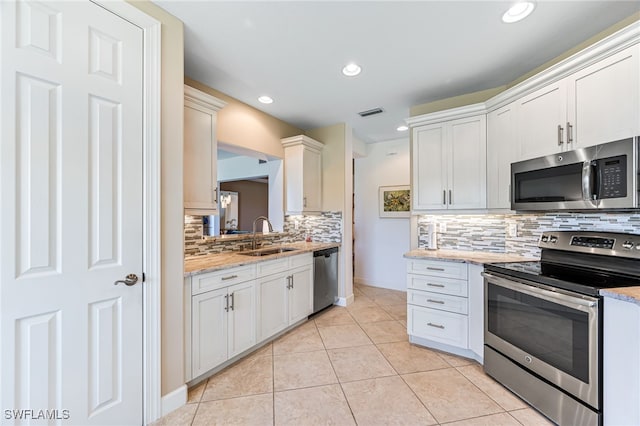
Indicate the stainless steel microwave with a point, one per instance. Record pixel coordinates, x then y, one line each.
602 177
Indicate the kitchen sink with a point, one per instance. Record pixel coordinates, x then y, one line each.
267 251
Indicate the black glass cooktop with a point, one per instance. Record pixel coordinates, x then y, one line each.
575 276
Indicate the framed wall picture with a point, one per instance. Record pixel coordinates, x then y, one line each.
394 201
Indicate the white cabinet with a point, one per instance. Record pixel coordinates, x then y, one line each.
597 104
445 306
230 311
502 150
621 362
200 152
437 303
302 175
476 311
449 165
209 321
542 120
223 325
285 293
604 99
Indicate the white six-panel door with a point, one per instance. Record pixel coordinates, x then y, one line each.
71 214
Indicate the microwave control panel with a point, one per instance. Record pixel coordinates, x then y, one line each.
613 177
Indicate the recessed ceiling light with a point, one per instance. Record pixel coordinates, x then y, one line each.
518 11
402 128
265 99
351 70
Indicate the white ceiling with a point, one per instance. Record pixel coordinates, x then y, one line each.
410 52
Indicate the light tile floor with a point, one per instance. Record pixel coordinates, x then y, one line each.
351 366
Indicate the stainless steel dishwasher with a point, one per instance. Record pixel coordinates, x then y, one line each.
325 278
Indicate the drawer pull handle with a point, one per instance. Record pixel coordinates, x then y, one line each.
435 285
435 325
435 301
431 268
230 277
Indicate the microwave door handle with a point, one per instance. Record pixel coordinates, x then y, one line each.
588 180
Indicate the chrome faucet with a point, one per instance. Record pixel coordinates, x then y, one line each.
253 242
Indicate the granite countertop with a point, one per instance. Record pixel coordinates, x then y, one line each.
219 261
627 294
477 257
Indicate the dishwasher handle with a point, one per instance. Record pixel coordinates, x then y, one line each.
326 252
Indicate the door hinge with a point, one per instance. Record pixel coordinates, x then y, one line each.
144 277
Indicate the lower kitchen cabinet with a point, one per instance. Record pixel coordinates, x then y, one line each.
285 298
621 362
274 296
443 311
223 325
230 311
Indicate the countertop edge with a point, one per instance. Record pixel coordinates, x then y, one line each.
626 294
462 256
233 259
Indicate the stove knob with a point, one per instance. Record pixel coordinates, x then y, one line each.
553 239
627 245
545 238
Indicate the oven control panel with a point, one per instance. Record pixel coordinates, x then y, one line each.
607 243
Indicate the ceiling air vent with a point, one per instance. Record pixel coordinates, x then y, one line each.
370 112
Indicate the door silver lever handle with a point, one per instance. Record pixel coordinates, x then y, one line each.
130 280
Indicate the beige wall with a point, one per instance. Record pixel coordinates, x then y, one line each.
171 186
472 98
242 125
337 190
333 171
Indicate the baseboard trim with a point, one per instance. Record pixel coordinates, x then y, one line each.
174 400
467 353
345 301
364 281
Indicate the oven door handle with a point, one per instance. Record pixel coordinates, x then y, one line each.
584 304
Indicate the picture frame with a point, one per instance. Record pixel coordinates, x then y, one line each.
394 201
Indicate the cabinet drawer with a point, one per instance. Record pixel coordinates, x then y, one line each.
272 266
438 268
438 301
439 326
299 260
224 278
438 285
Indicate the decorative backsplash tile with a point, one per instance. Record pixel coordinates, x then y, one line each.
326 227
489 232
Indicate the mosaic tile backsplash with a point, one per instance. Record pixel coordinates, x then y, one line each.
326 227
490 232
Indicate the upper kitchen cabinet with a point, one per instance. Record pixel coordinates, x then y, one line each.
200 152
449 162
541 121
604 99
302 175
502 150
596 104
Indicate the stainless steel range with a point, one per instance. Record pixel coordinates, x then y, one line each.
543 321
